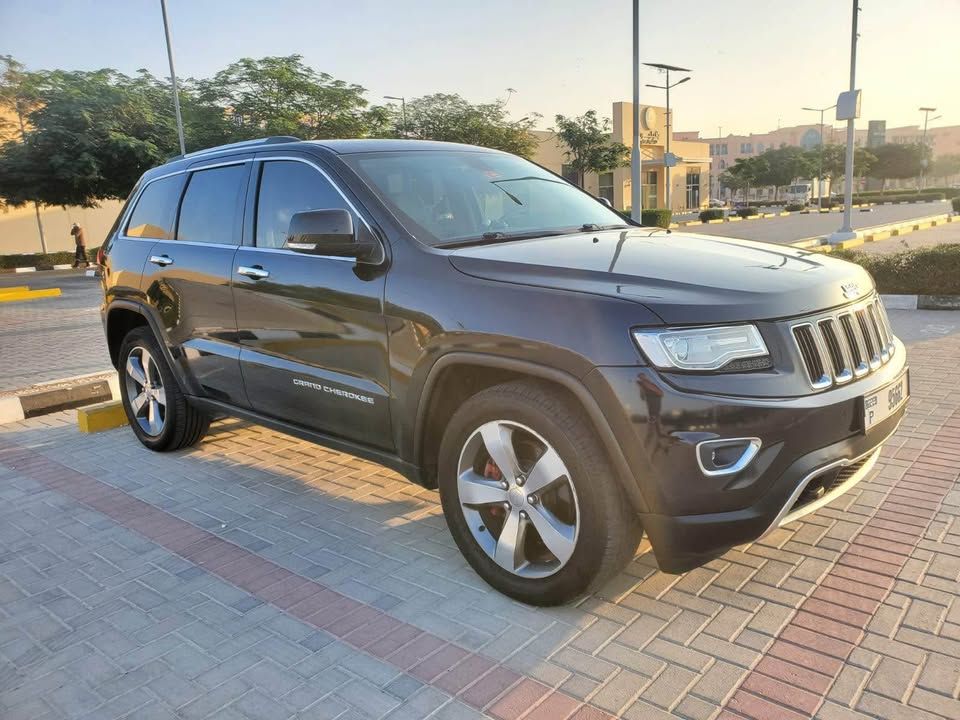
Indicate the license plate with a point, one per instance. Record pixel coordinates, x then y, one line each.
880 405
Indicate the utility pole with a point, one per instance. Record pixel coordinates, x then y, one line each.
923 143
820 173
403 108
36 205
173 78
847 230
667 86
636 190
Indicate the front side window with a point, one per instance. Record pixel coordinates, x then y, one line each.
450 196
211 211
286 188
154 213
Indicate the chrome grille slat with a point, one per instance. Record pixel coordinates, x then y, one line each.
838 347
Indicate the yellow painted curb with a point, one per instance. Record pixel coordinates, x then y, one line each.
14 289
29 295
714 222
847 244
103 416
734 218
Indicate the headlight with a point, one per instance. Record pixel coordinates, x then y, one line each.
700 348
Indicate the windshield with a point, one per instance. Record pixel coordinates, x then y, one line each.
449 196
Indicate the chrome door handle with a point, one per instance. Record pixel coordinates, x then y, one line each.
161 260
256 272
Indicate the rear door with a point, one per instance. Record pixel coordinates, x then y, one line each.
312 328
188 277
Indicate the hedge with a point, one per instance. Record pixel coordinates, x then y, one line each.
656 217
925 196
948 193
711 214
923 271
795 207
43 261
747 211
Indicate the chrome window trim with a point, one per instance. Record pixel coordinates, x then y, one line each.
122 232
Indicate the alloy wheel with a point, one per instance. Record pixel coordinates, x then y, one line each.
518 499
145 392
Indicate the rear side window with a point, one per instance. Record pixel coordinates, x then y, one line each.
154 213
211 211
286 188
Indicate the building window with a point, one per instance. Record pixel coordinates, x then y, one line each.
746 148
723 149
723 164
569 174
650 189
606 186
693 188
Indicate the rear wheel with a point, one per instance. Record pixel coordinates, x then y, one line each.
158 412
529 495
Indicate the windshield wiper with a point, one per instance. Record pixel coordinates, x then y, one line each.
497 235
594 227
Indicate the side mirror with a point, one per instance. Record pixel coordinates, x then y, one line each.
606 202
332 233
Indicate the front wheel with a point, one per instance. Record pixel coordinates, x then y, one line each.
157 410
529 495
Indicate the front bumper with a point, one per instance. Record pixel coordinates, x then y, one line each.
691 517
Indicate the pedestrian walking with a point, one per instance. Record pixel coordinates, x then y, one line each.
81 241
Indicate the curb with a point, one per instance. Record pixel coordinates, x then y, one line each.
921 302
59 395
876 233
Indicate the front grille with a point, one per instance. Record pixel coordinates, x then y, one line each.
839 347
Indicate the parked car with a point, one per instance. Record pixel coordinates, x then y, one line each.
565 378
716 203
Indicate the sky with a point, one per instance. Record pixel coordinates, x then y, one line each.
754 63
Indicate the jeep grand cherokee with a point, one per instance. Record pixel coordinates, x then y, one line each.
566 379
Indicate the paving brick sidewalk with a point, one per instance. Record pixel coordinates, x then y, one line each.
257 576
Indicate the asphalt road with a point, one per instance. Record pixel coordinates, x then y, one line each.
789 229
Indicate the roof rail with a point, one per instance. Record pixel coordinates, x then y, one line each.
275 139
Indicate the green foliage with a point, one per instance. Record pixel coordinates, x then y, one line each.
907 197
945 166
656 217
923 271
450 118
795 207
898 161
43 261
783 165
711 214
588 144
745 173
835 158
748 211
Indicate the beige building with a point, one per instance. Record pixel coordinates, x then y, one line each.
689 179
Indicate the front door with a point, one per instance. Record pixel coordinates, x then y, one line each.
311 328
187 279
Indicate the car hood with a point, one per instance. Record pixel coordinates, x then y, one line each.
682 277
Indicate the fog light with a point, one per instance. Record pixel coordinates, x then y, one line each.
726 456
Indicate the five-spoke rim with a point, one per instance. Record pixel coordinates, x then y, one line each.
518 499
145 393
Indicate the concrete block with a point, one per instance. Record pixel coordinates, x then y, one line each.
103 416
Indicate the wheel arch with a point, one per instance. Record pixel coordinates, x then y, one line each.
122 316
458 375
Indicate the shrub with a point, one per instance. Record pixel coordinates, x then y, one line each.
657 217
711 214
925 196
749 211
923 271
794 207
43 261
956 204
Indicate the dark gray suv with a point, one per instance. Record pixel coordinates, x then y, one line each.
567 379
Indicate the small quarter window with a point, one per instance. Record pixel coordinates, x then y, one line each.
154 213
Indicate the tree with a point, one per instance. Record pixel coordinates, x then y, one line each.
283 96
450 118
783 165
588 144
835 158
896 161
746 173
946 167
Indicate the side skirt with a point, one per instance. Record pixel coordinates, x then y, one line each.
408 470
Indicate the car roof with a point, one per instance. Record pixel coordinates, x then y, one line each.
346 147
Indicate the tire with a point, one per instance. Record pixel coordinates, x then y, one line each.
605 532
174 424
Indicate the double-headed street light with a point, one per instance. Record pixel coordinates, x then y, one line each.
666 86
403 109
820 173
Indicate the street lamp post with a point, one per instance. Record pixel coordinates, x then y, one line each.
846 231
403 110
636 190
173 77
666 86
923 143
820 172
